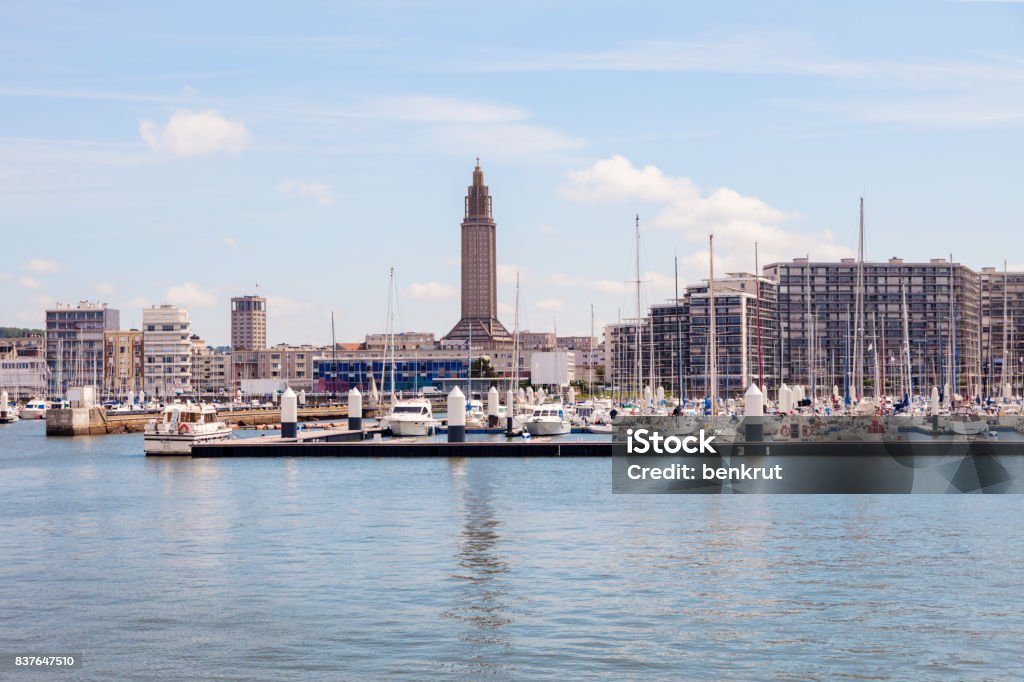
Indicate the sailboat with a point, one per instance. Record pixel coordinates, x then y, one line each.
411 416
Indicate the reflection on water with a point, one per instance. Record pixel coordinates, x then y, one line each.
410 568
482 596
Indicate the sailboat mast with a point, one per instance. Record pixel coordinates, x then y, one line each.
334 353
515 342
952 335
1006 285
389 336
639 324
811 332
712 350
906 342
757 299
590 360
679 341
858 324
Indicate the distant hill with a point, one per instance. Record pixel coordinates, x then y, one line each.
12 332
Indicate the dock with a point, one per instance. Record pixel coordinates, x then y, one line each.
356 447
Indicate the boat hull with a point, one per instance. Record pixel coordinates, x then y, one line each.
174 444
410 427
548 428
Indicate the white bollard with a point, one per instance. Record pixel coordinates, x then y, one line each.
571 395
935 401
289 413
492 402
785 399
753 413
355 410
456 416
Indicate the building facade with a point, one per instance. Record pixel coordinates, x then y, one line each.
817 312
744 337
211 369
167 344
23 377
122 362
74 343
248 323
1002 330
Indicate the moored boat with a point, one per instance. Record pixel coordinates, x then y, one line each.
34 409
411 418
182 425
548 420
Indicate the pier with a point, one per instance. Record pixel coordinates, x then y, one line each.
309 447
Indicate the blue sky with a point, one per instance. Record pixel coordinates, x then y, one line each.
186 152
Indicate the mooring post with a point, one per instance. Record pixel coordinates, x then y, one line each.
456 416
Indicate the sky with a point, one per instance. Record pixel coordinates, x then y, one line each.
187 152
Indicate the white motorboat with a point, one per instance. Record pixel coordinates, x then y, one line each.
411 418
476 418
182 425
548 420
34 409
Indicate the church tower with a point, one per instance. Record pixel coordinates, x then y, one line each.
479 270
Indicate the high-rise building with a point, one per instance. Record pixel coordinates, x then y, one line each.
817 311
737 361
248 323
1002 326
675 350
479 272
167 345
74 343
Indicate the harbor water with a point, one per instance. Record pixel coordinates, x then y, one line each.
280 569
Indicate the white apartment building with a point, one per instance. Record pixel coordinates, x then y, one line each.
167 370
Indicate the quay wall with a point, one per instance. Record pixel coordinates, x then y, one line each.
93 421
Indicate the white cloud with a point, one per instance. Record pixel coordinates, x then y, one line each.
29 283
41 300
283 305
311 190
430 291
230 241
40 265
190 294
426 109
551 305
105 288
195 133
507 273
135 303
763 52
505 140
736 220
616 179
